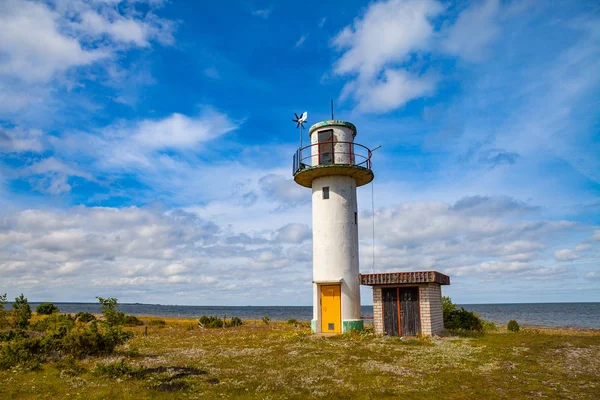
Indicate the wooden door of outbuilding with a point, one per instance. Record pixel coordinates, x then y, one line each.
391 314
410 316
401 315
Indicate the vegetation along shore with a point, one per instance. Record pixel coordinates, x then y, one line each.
114 356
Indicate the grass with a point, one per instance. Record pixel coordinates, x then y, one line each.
280 361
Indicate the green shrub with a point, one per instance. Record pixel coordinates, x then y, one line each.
132 320
266 320
235 321
292 321
12 335
46 309
54 322
94 340
455 319
210 322
489 326
28 352
118 369
513 326
157 322
109 309
84 316
21 313
3 312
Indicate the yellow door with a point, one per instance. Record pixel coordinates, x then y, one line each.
331 309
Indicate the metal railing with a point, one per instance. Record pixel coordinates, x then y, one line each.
332 153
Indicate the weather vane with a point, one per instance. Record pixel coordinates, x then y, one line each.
300 120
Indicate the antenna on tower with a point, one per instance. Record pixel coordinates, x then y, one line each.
300 121
332 109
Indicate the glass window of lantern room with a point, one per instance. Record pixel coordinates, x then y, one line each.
326 138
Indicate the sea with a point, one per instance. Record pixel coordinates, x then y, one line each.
572 315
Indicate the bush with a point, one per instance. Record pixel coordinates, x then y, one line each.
292 321
210 322
21 312
94 340
157 322
84 316
109 309
513 326
489 326
46 309
132 320
3 312
235 321
455 319
266 320
54 322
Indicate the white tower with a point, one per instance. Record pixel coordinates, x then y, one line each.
334 166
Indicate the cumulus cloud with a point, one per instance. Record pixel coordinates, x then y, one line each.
32 45
283 190
126 250
473 31
592 276
565 255
475 236
385 36
18 140
149 254
294 233
382 49
42 40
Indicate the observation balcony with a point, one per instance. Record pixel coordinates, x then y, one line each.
332 157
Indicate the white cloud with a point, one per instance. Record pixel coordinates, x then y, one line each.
382 49
565 255
52 45
82 252
32 47
467 238
127 30
212 72
394 89
146 253
322 22
592 276
17 140
263 13
581 247
376 44
294 233
475 28
388 32
301 41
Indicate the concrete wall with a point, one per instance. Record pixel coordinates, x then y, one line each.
335 242
342 151
430 308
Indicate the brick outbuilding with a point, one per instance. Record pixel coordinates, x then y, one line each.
407 303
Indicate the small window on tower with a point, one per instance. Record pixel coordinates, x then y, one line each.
355 218
325 192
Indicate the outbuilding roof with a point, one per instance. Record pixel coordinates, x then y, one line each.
401 278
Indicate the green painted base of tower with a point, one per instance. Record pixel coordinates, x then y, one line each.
353 324
313 326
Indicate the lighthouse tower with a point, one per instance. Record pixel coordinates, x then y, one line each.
333 166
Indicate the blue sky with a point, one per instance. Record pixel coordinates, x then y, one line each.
146 146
